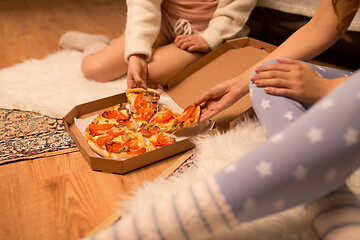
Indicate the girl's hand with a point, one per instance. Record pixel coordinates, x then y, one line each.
221 97
192 43
293 79
137 71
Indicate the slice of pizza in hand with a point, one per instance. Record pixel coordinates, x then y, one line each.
189 117
160 140
143 103
166 119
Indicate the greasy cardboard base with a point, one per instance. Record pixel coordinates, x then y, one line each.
227 61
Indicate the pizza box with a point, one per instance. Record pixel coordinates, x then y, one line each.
228 60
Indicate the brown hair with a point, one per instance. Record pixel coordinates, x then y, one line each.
345 18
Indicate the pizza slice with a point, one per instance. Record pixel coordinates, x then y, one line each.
115 116
118 143
189 117
166 119
143 103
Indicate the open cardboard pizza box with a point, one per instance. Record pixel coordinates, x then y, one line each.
228 60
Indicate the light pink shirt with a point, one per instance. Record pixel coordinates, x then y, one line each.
197 12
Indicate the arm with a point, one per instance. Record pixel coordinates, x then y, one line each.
294 79
313 38
229 18
323 31
142 27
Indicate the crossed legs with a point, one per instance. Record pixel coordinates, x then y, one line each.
105 62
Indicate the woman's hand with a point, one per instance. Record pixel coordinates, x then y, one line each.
222 96
192 43
137 71
293 79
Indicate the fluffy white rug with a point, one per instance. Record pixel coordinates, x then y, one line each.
211 156
52 86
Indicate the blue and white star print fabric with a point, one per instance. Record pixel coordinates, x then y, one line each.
300 161
276 112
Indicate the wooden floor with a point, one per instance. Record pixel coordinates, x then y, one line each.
58 197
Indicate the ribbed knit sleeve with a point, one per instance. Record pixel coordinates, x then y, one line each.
229 18
142 27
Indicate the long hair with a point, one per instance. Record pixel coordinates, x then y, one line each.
345 18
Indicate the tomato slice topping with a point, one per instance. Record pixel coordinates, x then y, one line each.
163 117
155 130
137 150
134 147
163 140
132 143
115 132
114 147
98 129
140 103
114 114
123 122
103 139
189 111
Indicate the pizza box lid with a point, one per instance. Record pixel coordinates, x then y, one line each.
225 62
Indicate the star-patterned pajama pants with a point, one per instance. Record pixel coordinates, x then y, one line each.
299 163
307 154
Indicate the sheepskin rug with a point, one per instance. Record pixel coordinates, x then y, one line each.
52 86
211 156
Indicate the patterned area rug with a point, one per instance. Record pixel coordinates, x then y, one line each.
27 135
190 162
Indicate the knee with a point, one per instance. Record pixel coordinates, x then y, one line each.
92 69
156 77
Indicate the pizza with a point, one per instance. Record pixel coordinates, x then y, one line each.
138 126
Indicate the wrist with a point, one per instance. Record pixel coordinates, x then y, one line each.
241 82
138 56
